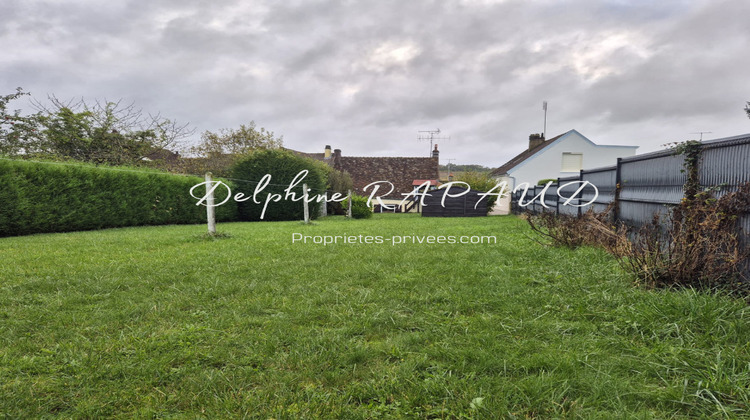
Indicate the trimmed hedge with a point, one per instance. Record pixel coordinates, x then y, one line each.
38 197
283 166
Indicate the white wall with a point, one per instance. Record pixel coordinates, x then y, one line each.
548 162
502 205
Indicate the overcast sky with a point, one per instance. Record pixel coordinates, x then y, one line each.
366 76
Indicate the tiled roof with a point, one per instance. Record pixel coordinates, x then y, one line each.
315 156
522 157
400 171
418 182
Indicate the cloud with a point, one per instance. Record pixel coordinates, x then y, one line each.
366 77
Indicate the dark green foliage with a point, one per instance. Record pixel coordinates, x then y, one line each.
283 167
360 209
336 182
40 197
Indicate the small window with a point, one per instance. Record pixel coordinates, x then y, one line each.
572 162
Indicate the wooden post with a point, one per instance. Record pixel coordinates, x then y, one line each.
210 210
349 207
324 205
304 199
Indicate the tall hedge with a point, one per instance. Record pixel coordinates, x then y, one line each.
37 197
283 166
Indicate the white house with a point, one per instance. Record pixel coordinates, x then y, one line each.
558 157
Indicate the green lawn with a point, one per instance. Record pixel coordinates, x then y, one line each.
160 322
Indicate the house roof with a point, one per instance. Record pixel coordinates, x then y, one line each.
400 171
315 156
521 157
417 182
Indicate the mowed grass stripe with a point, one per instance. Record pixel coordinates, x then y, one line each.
159 321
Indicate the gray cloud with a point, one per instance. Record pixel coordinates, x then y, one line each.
365 77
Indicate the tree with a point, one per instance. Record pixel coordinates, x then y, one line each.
236 141
103 132
18 133
217 152
747 109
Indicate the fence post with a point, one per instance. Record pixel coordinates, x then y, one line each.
324 206
618 186
557 198
304 200
210 209
580 178
349 206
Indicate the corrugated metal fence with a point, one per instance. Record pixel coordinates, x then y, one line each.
650 183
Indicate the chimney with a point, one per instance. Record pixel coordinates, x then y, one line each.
336 153
535 140
436 153
327 153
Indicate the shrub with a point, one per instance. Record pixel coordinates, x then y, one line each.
360 209
336 182
283 166
40 197
697 245
572 232
481 181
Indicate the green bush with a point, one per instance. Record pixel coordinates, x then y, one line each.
360 209
40 197
483 182
283 166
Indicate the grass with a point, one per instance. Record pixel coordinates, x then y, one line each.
165 322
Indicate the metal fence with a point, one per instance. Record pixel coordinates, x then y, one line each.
649 184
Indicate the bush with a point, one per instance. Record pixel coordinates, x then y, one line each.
336 182
283 166
40 197
360 209
481 181
697 245
572 231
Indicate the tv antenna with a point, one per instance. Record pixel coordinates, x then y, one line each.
431 135
701 133
544 108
